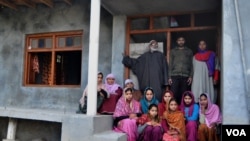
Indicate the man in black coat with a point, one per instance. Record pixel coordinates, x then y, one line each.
150 68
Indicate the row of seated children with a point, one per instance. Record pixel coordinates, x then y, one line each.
166 121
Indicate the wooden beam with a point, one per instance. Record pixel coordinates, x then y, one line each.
49 3
68 2
179 29
8 4
28 3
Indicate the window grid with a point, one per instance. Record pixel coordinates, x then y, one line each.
49 63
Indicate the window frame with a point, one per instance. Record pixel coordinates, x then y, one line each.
54 48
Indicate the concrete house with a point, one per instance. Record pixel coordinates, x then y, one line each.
50 50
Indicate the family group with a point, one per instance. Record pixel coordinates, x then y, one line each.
175 101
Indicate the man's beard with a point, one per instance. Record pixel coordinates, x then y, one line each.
180 45
152 49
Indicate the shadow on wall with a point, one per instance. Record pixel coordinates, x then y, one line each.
36 130
4 127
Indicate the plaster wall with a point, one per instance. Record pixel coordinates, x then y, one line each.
235 61
15 25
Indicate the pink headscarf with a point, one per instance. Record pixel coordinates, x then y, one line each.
111 88
123 108
212 113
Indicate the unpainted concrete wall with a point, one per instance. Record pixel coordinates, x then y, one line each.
235 61
14 25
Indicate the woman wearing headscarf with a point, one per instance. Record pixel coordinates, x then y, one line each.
163 106
205 72
173 123
115 91
137 95
148 99
126 112
102 94
191 113
209 118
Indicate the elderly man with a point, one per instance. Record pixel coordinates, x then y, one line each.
150 69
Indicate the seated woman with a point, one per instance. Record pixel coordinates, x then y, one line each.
148 99
125 115
150 125
173 123
191 112
115 92
167 95
210 117
137 95
101 95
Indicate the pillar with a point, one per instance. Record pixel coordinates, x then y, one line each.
93 56
11 134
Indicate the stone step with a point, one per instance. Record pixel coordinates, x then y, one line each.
109 136
74 126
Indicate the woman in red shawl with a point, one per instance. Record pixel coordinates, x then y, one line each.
115 91
167 95
210 117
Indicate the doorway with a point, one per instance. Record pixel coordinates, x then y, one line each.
165 28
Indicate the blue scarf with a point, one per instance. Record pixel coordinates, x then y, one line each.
145 103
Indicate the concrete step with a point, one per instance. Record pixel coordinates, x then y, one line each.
74 127
109 136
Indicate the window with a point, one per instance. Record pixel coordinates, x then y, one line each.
53 59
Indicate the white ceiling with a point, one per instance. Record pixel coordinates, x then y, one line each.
141 7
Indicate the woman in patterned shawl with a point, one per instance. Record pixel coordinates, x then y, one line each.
125 115
173 123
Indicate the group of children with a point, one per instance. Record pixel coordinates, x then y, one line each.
143 118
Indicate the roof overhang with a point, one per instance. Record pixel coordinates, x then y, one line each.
143 7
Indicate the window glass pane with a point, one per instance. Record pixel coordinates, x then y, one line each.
61 42
77 41
69 41
161 22
48 43
180 21
41 43
206 19
34 43
68 68
139 23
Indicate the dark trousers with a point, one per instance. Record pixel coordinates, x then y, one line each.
179 86
83 109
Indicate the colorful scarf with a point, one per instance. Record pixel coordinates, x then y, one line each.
163 106
145 103
175 120
212 113
123 108
191 105
208 57
113 87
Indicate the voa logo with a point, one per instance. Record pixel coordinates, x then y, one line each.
236 132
